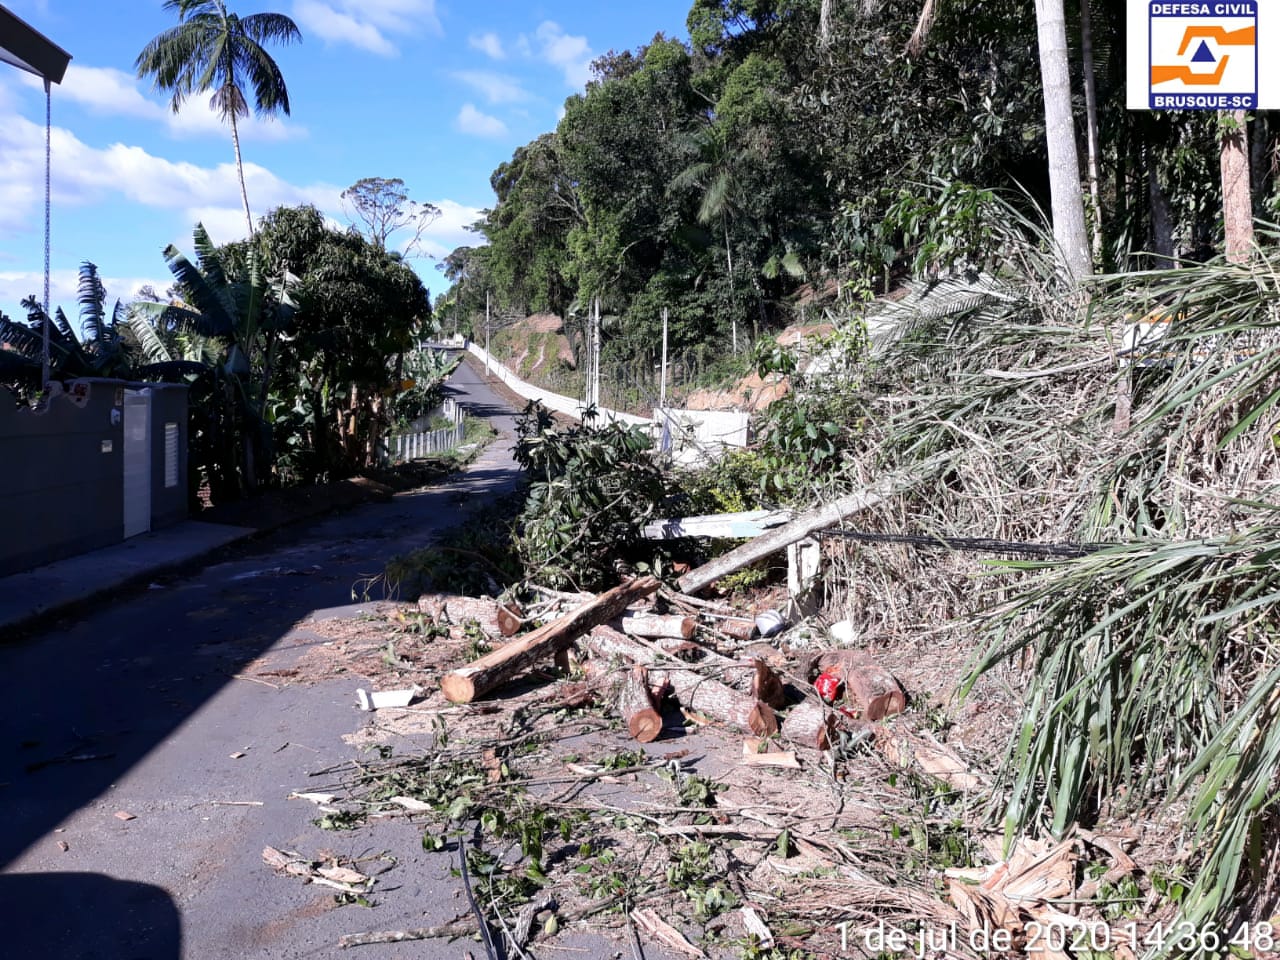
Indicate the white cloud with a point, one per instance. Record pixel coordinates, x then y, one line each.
84 175
572 55
450 231
115 92
487 43
472 121
365 23
494 87
64 286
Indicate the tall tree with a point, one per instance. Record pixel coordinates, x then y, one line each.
1065 196
384 207
214 49
1237 202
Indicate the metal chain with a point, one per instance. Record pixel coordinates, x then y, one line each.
48 163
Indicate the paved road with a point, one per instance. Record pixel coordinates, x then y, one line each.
133 708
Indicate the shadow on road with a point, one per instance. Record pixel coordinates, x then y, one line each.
90 699
88 916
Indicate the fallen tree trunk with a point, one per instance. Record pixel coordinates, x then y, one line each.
695 692
636 706
479 677
655 626
827 515
752 676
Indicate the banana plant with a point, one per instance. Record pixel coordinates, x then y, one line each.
233 322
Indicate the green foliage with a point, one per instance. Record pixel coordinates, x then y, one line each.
358 313
100 349
474 558
238 316
692 873
423 373
591 490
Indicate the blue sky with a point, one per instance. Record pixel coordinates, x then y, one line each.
436 92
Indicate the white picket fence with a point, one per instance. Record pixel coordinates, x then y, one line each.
419 442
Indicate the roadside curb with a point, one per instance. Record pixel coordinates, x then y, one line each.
37 598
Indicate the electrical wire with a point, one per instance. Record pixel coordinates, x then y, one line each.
972 544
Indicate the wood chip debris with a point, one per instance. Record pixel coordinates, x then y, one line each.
124 815
665 934
325 874
756 927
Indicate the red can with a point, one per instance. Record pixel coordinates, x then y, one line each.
828 687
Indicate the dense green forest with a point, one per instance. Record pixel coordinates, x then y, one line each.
793 150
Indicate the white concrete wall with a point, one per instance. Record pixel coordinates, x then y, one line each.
552 401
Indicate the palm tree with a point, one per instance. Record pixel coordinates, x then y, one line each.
1065 196
214 49
713 174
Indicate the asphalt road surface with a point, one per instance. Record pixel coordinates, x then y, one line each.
133 709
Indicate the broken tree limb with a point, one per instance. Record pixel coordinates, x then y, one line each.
694 691
827 515
654 626
479 677
444 931
636 706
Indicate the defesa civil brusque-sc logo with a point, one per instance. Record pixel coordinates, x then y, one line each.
1200 55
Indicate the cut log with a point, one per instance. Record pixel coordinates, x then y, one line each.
491 670
721 702
694 691
766 686
510 618
738 628
871 690
655 626
828 515
809 724
636 706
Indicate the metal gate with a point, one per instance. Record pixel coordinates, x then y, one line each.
137 462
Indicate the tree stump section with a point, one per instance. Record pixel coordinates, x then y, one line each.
869 687
493 669
653 626
637 707
695 692
809 724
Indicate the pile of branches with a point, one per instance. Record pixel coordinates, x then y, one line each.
1140 415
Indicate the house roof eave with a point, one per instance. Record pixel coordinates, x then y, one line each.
27 49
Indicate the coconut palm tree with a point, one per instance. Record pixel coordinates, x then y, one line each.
214 49
1066 197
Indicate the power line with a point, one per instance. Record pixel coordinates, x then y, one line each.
972 544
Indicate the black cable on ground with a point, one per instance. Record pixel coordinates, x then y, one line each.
972 544
489 947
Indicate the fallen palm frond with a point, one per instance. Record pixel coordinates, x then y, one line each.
1148 669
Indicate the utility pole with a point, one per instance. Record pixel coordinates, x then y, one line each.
486 333
662 389
593 396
